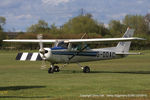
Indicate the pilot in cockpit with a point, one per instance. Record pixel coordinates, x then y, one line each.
63 45
80 47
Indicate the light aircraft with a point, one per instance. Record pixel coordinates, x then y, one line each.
67 51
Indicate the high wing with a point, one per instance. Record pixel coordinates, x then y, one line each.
74 40
104 39
30 40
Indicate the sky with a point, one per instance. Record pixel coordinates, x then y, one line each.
21 14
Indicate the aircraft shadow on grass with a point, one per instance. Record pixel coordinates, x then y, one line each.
25 97
15 88
121 72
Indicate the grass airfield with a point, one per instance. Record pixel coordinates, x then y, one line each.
25 80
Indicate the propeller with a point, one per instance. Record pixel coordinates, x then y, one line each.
42 51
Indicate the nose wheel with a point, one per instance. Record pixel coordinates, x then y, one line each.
56 69
50 70
53 69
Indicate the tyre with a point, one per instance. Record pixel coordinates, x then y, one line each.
86 69
56 69
50 70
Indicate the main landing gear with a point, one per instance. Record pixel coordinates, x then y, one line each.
85 69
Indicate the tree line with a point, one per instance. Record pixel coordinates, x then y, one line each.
77 26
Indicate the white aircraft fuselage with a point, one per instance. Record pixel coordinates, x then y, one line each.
64 56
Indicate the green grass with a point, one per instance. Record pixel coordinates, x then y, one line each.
25 80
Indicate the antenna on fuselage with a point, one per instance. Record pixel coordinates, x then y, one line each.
83 35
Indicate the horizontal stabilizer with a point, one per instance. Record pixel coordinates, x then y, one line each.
28 56
127 53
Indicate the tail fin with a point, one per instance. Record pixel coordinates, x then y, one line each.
125 46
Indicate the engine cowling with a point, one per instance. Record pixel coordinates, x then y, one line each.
45 53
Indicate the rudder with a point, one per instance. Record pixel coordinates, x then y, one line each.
125 46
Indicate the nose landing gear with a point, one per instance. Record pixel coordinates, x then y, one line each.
53 69
56 69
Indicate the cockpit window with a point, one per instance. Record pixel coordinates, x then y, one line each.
63 45
80 46
76 47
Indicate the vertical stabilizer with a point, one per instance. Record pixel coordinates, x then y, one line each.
125 46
